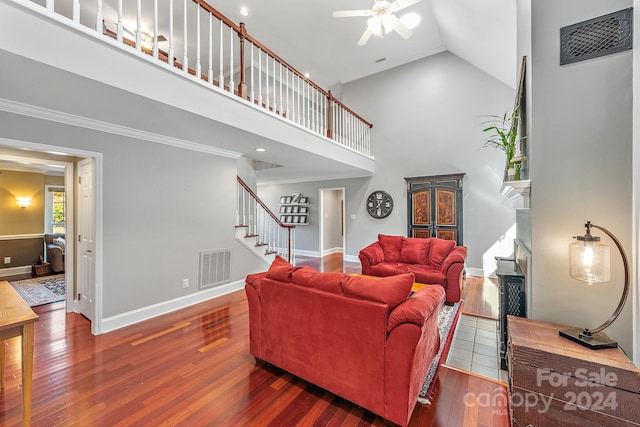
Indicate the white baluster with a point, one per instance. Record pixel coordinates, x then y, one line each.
185 57
210 70
198 63
281 105
231 37
275 106
50 5
119 29
139 25
76 15
266 80
221 43
252 72
155 29
170 53
260 77
287 73
99 18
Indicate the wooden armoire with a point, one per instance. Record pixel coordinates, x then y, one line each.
434 206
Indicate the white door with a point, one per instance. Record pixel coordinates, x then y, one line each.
86 234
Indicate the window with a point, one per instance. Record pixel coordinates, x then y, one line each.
55 210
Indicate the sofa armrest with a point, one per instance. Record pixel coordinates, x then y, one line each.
452 267
252 289
418 307
371 255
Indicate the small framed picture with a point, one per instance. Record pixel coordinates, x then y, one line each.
295 209
302 199
283 209
287 199
283 218
289 218
304 209
296 219
289 209
283 199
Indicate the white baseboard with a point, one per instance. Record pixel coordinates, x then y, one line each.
332 251
476 272
350 258
13 271
314 254
126 319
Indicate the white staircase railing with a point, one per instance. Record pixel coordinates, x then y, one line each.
203 44
271 234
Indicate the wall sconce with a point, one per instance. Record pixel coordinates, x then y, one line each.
589 262
23 202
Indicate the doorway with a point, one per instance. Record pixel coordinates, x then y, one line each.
332 224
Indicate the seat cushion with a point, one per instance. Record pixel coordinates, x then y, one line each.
427 274
415 250
439 251
391 246
389 269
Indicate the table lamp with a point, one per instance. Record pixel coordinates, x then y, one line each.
589 262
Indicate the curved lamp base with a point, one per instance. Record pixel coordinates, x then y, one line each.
593 341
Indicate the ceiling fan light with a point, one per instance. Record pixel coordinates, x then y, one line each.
387 23
410 20
375 25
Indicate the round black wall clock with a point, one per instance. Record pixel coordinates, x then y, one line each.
379 204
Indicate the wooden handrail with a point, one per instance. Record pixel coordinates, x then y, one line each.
242 32
257 199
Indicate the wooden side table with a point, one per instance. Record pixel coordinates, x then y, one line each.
556 382
17 319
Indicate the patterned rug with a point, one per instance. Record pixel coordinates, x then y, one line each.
447 321
43 290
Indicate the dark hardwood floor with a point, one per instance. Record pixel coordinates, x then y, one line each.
192 368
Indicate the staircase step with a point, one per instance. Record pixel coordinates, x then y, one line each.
251 235
261 244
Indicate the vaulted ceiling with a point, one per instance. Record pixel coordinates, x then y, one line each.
307 36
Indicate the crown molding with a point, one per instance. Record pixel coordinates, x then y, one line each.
84 122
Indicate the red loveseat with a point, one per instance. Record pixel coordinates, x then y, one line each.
364 339
432 261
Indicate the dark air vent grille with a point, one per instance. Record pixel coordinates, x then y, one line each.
596 37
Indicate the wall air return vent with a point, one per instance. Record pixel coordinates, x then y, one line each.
215 268
596 37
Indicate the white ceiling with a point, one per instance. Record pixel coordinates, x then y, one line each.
307 36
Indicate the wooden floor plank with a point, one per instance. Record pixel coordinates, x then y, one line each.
192 367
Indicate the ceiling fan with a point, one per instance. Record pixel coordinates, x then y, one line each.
382 20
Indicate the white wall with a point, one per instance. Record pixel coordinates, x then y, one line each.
581 167
427 119
162 205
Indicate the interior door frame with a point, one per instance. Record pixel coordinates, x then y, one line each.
70 253
321 215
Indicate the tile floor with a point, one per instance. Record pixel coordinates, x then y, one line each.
475 347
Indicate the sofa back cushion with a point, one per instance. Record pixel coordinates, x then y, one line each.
391 246
388 290
328 282
280 269
415 250
439 250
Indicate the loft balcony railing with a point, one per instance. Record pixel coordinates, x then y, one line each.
196 40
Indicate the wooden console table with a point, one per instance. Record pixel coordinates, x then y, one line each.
556 382
17 319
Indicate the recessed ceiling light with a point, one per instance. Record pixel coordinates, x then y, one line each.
244 11
380 60
261 149
306 75
411 20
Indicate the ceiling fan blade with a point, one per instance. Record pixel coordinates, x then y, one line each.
365 37
350 13
400 28
401 4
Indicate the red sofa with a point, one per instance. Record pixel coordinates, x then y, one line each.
364 339
432 261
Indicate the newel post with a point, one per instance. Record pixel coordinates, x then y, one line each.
242 86
329 116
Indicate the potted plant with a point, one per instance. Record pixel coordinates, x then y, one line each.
504 136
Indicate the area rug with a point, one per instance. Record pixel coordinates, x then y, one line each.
43 290
447 321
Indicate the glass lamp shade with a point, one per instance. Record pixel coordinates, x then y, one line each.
589 261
